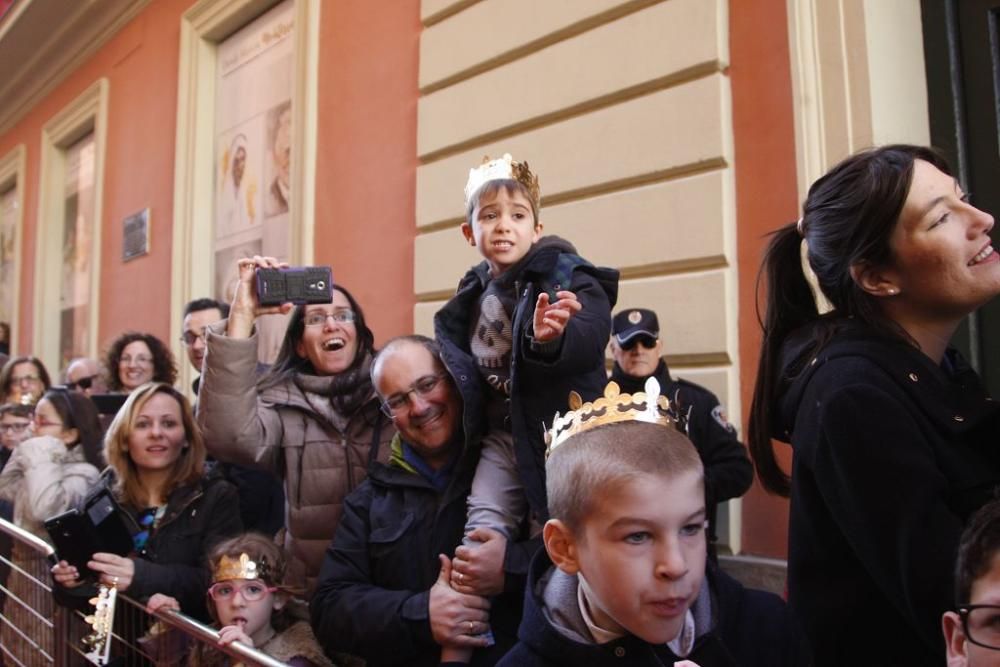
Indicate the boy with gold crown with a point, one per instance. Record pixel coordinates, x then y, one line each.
535 318
624 577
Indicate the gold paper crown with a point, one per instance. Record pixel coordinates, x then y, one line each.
241 568
501 168
648 406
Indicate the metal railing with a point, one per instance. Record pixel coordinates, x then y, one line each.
36 632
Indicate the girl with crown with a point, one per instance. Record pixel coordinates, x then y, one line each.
252 604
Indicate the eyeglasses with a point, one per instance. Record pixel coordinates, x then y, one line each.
14 428
647 342
318 318
141 360
396 403
42 422
981 623
252 590
83 383
25 378
189 338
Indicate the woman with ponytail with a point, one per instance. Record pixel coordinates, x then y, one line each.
894 439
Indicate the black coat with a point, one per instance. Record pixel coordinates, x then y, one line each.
749 628
892 453
728 471
174 561
540 384
373 592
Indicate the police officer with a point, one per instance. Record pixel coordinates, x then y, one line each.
637 349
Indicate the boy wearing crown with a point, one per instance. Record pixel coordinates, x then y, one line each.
624 577
533 316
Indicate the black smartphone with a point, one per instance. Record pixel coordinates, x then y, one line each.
108 404
77 535
298 285
74 538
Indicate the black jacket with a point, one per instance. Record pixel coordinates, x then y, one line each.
540 385
746 627
372 595
892 453
197 517
728 471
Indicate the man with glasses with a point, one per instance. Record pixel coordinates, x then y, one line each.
972 633
84 375
637 349
384 590
198 314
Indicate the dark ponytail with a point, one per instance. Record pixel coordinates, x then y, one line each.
848 220
790 305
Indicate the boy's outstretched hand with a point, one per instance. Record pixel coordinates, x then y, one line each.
551 319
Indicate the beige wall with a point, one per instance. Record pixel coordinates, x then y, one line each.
623 110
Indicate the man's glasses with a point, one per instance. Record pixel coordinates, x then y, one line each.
14 428
396 403
141 360
83 383
981 623
318 318
251 591
189 338
647 342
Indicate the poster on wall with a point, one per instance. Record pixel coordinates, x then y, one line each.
77 239
8 246
253 153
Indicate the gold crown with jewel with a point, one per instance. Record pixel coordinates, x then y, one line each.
504 168
613 408
241 568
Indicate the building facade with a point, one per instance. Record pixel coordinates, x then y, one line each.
145 143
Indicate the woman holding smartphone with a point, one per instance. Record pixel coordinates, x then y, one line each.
176 509
313 420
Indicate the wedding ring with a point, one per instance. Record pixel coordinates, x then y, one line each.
460 577
114 581
471 625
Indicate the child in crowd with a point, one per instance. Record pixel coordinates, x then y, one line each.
972 634
251 605
624 577
535 317
15 426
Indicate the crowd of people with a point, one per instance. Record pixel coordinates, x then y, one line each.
493 495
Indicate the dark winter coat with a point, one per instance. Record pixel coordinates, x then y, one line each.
540 383
743 627
173 562
373 591
728 471
892 453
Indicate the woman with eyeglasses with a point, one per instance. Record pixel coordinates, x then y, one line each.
137 358
313 420
46 475
175 508
23 380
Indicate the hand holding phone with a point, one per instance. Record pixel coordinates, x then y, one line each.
298 285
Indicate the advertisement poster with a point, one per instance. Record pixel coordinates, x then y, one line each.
8 245
77 238
253 153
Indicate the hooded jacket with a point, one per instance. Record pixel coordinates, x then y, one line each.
374 588
733 626
320 456
540 379
892 453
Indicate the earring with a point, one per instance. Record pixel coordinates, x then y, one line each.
892 291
